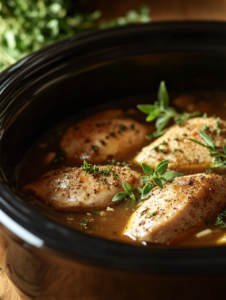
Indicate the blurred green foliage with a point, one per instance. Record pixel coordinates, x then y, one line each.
28 25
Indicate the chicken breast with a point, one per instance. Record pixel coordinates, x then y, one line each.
181 153
74 189
106 135
177 208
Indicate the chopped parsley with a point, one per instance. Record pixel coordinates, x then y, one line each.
60 157
116 162
103 142
121 128
221 219
109 170
132 126
112 133
177 138
89 168
184 134
83 223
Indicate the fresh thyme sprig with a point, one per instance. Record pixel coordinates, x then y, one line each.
157 177
127 193
163 113
220 156
90 169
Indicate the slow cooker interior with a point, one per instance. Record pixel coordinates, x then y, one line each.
67 89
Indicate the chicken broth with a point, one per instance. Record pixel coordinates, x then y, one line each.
112 221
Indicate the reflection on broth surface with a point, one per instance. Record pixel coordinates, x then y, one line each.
110 222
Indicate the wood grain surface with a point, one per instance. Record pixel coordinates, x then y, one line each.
161 10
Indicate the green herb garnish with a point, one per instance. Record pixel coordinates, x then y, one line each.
220 157
83 223
158 177
94 212
219 131
132 126
60 157
143 211
204 127
103 142
112 133
155 134
221 219
218 123
89 168
109 170
121 128
27 26
125 164
156 148
208 222
151 215
209 171
163 113
127 193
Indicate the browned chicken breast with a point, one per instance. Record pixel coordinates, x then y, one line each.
103 136
180 206
181 153
74 189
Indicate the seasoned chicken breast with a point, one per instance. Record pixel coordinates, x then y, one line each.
181 153
103 136
74 189
180 206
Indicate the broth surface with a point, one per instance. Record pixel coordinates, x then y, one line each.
110 223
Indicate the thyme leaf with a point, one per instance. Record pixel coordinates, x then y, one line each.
163 113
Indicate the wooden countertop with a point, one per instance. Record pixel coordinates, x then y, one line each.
161 10
166 10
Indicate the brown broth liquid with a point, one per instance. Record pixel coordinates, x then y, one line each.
111 224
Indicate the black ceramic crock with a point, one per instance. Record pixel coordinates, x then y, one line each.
48 261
